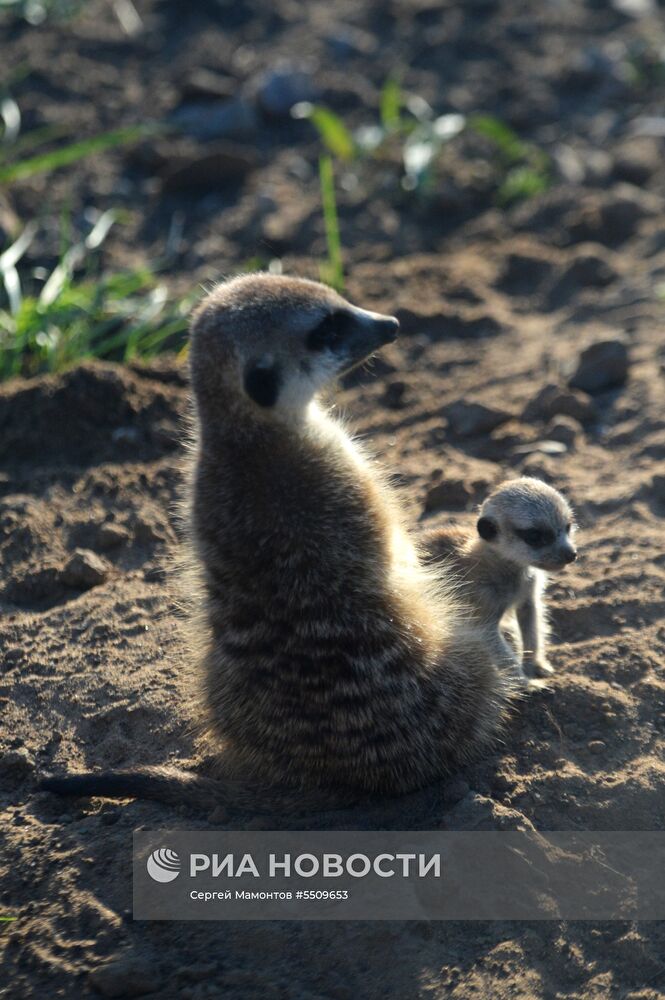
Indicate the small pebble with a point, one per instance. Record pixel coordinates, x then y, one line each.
564 429
553 400
281 88
601 366
84 570
543 447
466 419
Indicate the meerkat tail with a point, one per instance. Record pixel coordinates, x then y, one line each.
158 784
170 786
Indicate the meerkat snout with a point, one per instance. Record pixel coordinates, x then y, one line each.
530 524
281 340
350 335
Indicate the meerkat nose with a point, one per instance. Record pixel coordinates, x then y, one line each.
385 328
570 555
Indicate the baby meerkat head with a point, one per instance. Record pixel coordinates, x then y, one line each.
529 523
278 341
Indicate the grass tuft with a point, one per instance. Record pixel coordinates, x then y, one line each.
526 168
73 316
390 108
332 272
46 162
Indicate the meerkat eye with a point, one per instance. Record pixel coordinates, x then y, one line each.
535 538
487 529
329 333
262 383
569 528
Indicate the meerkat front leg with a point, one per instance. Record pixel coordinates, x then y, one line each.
509 649
534 628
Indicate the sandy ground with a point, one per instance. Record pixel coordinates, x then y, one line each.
495 307
93 674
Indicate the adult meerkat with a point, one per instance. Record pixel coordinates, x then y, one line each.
524 530
332 659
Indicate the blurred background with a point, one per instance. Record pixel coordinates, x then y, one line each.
151 146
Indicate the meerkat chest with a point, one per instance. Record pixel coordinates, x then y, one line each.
502 589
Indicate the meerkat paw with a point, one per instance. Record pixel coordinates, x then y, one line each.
540 668
537 684
521 680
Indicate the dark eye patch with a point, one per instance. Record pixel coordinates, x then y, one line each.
536 538
262 384
330 333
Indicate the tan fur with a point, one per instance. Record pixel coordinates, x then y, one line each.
332 658
504 579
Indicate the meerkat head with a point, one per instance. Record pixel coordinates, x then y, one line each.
277 341
529 523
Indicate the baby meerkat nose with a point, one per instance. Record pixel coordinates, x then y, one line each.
570 555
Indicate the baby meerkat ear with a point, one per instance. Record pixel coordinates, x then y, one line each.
487 528
262 382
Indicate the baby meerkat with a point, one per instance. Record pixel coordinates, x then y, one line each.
524 531
331 657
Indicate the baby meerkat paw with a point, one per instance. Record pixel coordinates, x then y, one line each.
537 684
539 668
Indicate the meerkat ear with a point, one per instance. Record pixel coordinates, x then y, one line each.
487 528
262 382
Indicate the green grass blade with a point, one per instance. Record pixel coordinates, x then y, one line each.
335 269
36 137
391 105
503 137
334 134
146 342
69 154
522 183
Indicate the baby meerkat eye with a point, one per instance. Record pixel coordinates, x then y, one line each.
535 538
487 529
569 528
329 333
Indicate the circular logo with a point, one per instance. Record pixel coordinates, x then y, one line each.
163 865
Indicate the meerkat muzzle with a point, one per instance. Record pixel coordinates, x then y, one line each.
385 328
369 333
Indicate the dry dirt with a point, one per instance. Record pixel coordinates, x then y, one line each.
495 306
